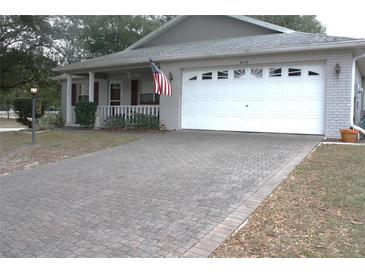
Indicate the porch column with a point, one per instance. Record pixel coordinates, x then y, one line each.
91 86
68 99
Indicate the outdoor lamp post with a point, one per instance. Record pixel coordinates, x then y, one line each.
34 92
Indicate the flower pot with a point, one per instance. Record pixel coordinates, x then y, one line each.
349 135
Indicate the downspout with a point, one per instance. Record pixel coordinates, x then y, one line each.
361 130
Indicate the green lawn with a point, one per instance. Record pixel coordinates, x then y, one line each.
319 211
17 152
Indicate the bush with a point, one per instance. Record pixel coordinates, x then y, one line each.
115 122
23 107
85 114
144 121
135 121
50 121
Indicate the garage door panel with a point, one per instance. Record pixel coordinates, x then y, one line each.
255 107
191 121
312 126
312 108
255 124
190 106
273 107
256 92
265 104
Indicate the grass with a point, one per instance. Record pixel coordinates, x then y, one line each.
318 211
17 152
10 123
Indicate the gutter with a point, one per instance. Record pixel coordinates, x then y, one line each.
361 130
108 63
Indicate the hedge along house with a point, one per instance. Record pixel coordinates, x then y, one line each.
229 73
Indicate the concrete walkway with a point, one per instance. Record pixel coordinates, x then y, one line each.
166 195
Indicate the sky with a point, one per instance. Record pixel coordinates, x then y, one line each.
348 25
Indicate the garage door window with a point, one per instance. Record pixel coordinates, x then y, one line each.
313 73
275 72
192 78
207 76
257 73
223 74
239 74
294 72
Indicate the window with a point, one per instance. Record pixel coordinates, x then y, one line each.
257 73
239 73
313 73
294 72
192 78
146 98
275 72
82 92
223 74
149 98
146 94
207 76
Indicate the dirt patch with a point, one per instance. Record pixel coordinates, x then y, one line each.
17 152
319 211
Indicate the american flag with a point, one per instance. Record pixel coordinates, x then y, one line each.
162 84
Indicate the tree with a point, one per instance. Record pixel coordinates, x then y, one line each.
81 37
304 23
25 51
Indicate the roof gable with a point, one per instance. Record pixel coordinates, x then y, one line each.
205 27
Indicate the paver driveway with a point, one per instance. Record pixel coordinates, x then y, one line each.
154 197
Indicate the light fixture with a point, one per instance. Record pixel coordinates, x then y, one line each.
33 91
338 70
170 76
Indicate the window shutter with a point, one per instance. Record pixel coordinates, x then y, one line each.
96 93
73 97
134 93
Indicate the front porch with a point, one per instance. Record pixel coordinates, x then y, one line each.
124 97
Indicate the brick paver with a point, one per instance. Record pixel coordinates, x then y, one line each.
165 195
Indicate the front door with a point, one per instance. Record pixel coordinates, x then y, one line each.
115 93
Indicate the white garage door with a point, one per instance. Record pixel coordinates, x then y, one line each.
287 99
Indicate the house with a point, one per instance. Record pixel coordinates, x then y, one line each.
232 73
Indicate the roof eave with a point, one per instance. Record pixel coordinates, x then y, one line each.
261 23
334 45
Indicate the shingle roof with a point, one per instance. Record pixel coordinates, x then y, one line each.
215 48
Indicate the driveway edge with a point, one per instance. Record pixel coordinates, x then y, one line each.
211 241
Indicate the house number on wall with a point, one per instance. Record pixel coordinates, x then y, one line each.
244 62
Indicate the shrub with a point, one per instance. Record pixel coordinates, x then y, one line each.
23 107
115 122
134 121
50 121
85 113
144 121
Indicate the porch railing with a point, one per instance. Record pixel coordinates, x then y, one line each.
128 113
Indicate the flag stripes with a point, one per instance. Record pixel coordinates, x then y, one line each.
162 84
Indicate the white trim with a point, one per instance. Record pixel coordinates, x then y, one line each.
91 86
353 79
68 99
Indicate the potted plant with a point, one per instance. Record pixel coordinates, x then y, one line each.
349 135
